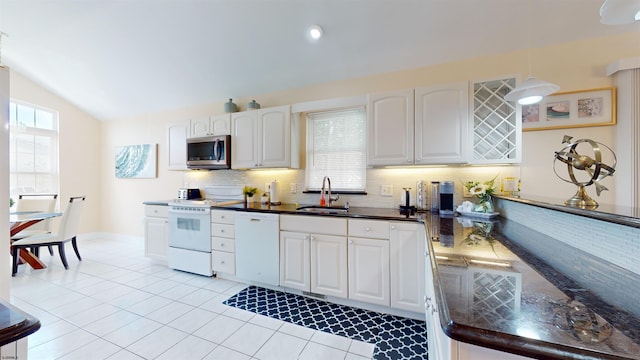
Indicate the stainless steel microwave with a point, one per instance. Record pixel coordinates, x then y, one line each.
211 152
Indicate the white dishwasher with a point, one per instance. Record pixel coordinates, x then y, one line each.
257 247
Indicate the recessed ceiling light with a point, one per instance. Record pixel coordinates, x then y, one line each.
315 32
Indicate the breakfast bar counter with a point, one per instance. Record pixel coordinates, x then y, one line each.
493 291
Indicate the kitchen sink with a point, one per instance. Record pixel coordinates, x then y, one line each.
323 209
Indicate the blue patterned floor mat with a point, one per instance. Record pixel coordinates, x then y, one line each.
395 337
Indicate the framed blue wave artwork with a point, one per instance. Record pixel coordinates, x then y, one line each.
136 161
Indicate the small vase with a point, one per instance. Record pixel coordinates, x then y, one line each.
230 107
485 206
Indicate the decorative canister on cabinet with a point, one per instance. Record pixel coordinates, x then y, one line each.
253 105
230 107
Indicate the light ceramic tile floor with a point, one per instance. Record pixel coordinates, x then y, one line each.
117 304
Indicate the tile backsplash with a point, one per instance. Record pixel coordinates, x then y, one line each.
397 178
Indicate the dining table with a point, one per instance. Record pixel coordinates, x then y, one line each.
21 220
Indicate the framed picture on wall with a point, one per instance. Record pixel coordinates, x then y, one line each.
136 161
584 108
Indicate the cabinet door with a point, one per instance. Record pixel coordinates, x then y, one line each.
369 270
222 261
407 266
295 267
474 352
439 344
200 127
390 128
329 265
220 124
244 140
275 136
442 114
155 238
177 134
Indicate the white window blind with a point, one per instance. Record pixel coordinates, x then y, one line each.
33 149
336 148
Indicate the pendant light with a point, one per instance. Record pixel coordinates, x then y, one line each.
531 90
619 12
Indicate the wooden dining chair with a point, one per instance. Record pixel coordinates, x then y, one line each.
36 202
67 231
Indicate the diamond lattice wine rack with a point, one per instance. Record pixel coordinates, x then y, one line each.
496 129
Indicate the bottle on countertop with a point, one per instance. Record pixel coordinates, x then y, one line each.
435 196
421 196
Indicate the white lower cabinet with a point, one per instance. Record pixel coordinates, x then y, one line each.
16 350
368 249
313 254
369 270
223 257
329 265
156 230
295 260
407 245
314 262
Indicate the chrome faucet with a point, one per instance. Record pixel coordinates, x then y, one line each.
330 199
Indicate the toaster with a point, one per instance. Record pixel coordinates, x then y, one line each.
188 194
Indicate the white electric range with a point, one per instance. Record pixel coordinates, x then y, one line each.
190 229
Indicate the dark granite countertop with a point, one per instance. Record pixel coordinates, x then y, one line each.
493 291
290 209
15 324
354 211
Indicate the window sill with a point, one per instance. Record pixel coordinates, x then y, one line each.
341 192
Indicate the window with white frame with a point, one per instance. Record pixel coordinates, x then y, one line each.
336 148
33 149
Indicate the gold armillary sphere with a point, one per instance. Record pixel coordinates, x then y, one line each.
592 164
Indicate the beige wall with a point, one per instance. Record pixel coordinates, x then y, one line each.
80 149
573 66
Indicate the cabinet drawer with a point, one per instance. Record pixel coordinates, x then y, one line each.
375 229
156 211
224 262
314 224
222 230
223 244
222 216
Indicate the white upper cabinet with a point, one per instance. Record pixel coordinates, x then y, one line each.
211 125
177 134
261 138
497 126
390 128
441 123
427 125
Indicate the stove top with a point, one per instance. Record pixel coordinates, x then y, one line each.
204 202
215 195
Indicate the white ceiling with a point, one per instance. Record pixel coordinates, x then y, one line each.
128 57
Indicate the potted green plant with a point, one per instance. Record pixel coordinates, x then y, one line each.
248 192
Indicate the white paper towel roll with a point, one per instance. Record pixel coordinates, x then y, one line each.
273 193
